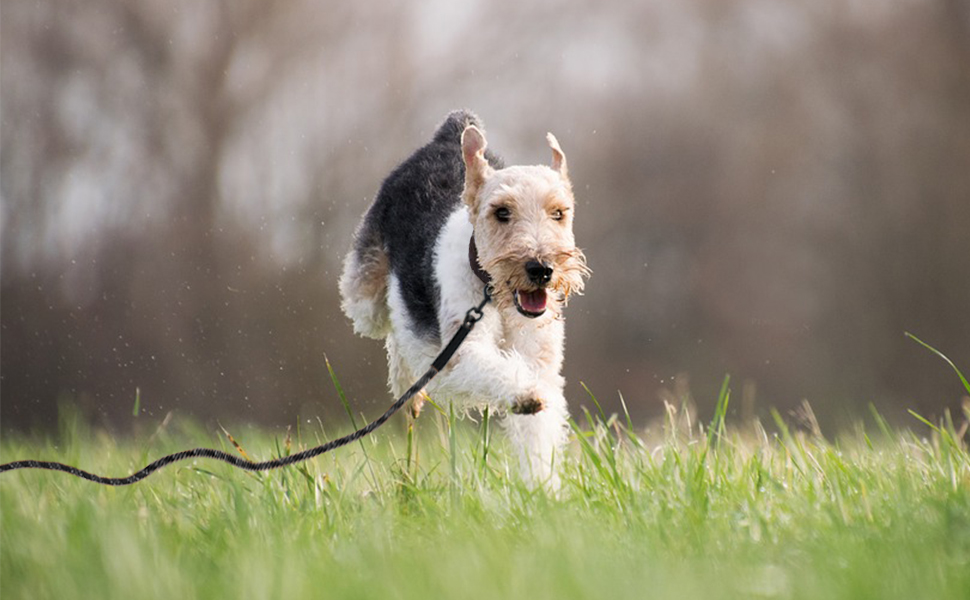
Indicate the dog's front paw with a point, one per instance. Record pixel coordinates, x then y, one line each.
528 405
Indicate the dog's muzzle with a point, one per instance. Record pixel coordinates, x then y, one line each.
532 303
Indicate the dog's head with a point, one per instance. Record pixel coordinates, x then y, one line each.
523 222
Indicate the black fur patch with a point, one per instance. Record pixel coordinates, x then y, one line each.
411 208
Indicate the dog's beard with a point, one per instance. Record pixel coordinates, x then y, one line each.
513 289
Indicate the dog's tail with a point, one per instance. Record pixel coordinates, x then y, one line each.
455 123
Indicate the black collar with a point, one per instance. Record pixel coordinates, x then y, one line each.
475 264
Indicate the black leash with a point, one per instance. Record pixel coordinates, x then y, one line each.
474 315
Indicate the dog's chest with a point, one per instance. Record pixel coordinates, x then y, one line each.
528 339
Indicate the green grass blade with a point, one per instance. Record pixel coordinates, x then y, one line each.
599 409
880 422
966 384
720 411
923 420
353 421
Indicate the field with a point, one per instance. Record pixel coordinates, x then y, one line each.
684 510
702 513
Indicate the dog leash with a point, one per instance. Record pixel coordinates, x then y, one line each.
473 316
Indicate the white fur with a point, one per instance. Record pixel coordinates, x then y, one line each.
509 361
506 356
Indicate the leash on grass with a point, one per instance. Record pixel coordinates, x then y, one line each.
473 316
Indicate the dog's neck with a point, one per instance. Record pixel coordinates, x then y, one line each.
474 264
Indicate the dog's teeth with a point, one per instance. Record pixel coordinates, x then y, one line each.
531 304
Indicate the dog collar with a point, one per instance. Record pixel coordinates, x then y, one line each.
474 264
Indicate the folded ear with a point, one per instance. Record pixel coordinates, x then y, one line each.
476 167
558 157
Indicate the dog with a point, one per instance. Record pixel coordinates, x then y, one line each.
448 221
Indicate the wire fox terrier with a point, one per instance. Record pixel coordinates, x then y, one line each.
445 221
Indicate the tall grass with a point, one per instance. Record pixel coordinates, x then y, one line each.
691 510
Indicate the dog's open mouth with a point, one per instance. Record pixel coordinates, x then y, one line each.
531 304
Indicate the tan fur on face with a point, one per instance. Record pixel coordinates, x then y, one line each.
534 196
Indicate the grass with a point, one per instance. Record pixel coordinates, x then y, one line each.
684 510
716 512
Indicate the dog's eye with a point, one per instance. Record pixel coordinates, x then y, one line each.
503 214
558 214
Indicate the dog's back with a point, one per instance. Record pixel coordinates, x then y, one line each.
398 233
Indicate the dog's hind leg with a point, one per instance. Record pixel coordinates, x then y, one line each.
363 284
401 377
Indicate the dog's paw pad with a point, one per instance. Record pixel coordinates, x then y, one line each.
527 406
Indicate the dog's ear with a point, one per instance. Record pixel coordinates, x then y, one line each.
477 168
558 157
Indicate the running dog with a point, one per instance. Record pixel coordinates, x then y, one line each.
447 222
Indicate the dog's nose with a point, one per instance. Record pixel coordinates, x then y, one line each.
539 273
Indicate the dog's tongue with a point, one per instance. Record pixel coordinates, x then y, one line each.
533 302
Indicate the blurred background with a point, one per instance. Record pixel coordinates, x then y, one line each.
771 190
